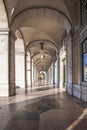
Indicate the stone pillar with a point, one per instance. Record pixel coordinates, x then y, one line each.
28 70
35 76
56 73
53 71
4 64
48 76
51 74
47 73
26 80
58 65
12 39
31 71
69 45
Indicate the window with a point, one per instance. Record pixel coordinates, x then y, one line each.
85 67
85 61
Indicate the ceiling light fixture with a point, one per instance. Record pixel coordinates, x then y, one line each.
41 51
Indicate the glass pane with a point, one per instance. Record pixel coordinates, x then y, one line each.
85 59
85 67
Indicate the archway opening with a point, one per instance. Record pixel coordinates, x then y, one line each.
62 67
19 63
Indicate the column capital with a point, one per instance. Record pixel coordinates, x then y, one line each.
12 35
26 55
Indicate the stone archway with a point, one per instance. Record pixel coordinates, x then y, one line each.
19 64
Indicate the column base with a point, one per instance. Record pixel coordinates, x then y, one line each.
12 89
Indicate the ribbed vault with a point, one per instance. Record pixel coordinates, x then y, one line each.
41 21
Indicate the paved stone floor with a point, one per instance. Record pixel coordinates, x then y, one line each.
43 108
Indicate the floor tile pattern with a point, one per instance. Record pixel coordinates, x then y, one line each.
51 109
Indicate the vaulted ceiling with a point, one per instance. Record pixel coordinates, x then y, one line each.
42 21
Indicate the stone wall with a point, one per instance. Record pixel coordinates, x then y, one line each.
11 67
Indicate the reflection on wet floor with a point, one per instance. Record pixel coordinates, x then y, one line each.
36 89
52 109
40 89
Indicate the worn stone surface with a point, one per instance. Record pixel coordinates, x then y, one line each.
53 111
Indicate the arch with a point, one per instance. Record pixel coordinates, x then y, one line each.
19 35
19 63
44 62
35 34
42 40
38 59
43 65
43 11
31 16
37 53
41 35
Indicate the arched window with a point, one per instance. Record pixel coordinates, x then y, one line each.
85 61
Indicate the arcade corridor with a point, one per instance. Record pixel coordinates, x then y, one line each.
43 64
43 108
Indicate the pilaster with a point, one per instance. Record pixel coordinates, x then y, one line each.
12 87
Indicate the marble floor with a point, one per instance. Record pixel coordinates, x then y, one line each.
42 108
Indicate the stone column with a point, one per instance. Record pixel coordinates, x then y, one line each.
53 71
58 70
31 71
47 73
4 82
69 45
28 70
35 75
48 76
11 66
26 80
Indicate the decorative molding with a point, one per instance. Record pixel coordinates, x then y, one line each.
4 31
